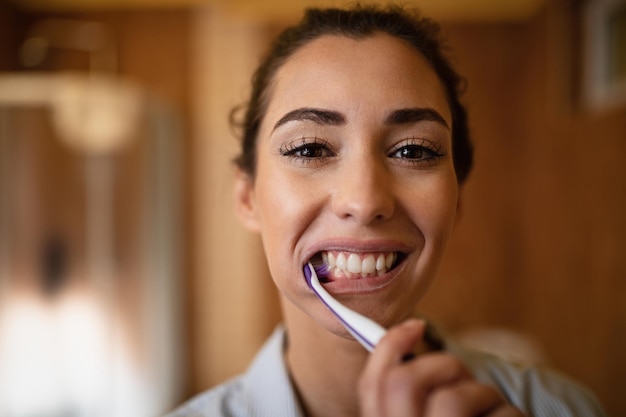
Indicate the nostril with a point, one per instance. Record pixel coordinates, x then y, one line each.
364 207
363 191
366 212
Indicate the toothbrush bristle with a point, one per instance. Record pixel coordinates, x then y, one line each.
321 270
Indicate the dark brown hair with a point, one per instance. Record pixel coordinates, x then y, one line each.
358 22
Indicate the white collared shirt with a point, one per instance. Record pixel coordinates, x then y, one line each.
265 389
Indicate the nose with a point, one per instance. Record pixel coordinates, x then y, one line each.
363 192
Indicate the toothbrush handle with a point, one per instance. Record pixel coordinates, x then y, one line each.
364 330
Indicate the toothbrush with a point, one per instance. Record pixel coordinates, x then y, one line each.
366 331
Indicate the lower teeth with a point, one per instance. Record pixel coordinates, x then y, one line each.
341 273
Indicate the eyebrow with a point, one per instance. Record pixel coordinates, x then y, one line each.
414 115
334 118
319 116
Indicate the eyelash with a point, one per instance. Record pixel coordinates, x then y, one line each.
314 149
429 152
297 149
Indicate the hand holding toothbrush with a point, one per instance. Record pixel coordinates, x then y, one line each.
431 385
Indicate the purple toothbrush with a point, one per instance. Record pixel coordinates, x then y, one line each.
365 331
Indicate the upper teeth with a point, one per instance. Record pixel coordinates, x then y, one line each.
364 264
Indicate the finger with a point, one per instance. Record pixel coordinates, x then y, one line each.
393 346
506 410
403 393
465 398
407 388
401 340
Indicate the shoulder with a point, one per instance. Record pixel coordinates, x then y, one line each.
538 391
225 400
264 390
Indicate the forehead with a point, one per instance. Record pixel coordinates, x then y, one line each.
378 71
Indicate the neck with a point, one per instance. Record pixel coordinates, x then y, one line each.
324 367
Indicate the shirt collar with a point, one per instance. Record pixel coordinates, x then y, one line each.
267 381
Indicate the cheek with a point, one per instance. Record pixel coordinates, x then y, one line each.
282 201
285 208
433 209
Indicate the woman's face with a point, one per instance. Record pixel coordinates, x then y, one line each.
354 167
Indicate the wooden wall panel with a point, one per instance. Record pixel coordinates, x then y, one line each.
540 245
233 297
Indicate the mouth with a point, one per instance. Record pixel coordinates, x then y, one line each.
341 265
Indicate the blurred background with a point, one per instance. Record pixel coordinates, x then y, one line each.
126 283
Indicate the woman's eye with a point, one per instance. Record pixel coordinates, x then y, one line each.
416 153
311 150
410 152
